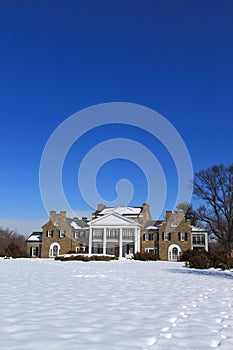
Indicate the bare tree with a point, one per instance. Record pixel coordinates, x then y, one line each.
11 243
189 212
214 187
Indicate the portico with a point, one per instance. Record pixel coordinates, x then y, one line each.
114 234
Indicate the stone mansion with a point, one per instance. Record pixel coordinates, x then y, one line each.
120 231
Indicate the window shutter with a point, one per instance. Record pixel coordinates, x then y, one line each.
47 233
157 236
163 236
36 251
179 234
186 236
169 236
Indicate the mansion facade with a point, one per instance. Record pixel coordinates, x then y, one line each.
121 231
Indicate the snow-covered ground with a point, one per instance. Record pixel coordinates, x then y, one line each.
48 304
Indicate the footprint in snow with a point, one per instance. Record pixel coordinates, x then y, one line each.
215 343
218 320
150 341
173 319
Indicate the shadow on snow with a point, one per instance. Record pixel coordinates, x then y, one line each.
211 273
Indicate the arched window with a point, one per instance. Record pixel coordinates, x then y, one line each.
54 249
174 251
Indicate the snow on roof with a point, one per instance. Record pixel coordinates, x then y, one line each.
122 210
77 224
152 227
35 237
74 225
198 229
113 218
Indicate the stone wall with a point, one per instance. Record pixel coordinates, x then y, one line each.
175 223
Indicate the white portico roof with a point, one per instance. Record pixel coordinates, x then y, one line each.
124 210
113 219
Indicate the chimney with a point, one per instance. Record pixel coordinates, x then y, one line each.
63 214
168 214
53 215
146 211
101 207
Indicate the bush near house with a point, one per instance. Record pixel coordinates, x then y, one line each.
146 256
86 258
206 260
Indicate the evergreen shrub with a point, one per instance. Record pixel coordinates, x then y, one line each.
146 256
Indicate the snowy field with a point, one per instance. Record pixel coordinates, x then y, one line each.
48 304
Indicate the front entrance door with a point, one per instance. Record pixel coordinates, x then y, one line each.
117 251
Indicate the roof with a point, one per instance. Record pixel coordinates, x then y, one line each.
123 210
153 224
198 229
113 219
35 237
77 223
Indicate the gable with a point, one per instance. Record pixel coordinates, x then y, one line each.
113 219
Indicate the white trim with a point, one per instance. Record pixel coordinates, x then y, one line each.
51 249
34 251
124 220
170 248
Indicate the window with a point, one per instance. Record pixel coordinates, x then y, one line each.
34 251
183 236
62 233
166 236
54 249
80 248
128 233
49 233
79 234
150 250
174 253
150 237
98 233
198 239
112 233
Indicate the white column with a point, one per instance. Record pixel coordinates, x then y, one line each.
104 241
135 240
206 242
139 239
120 244
90 241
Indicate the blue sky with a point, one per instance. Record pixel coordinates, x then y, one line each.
58 57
